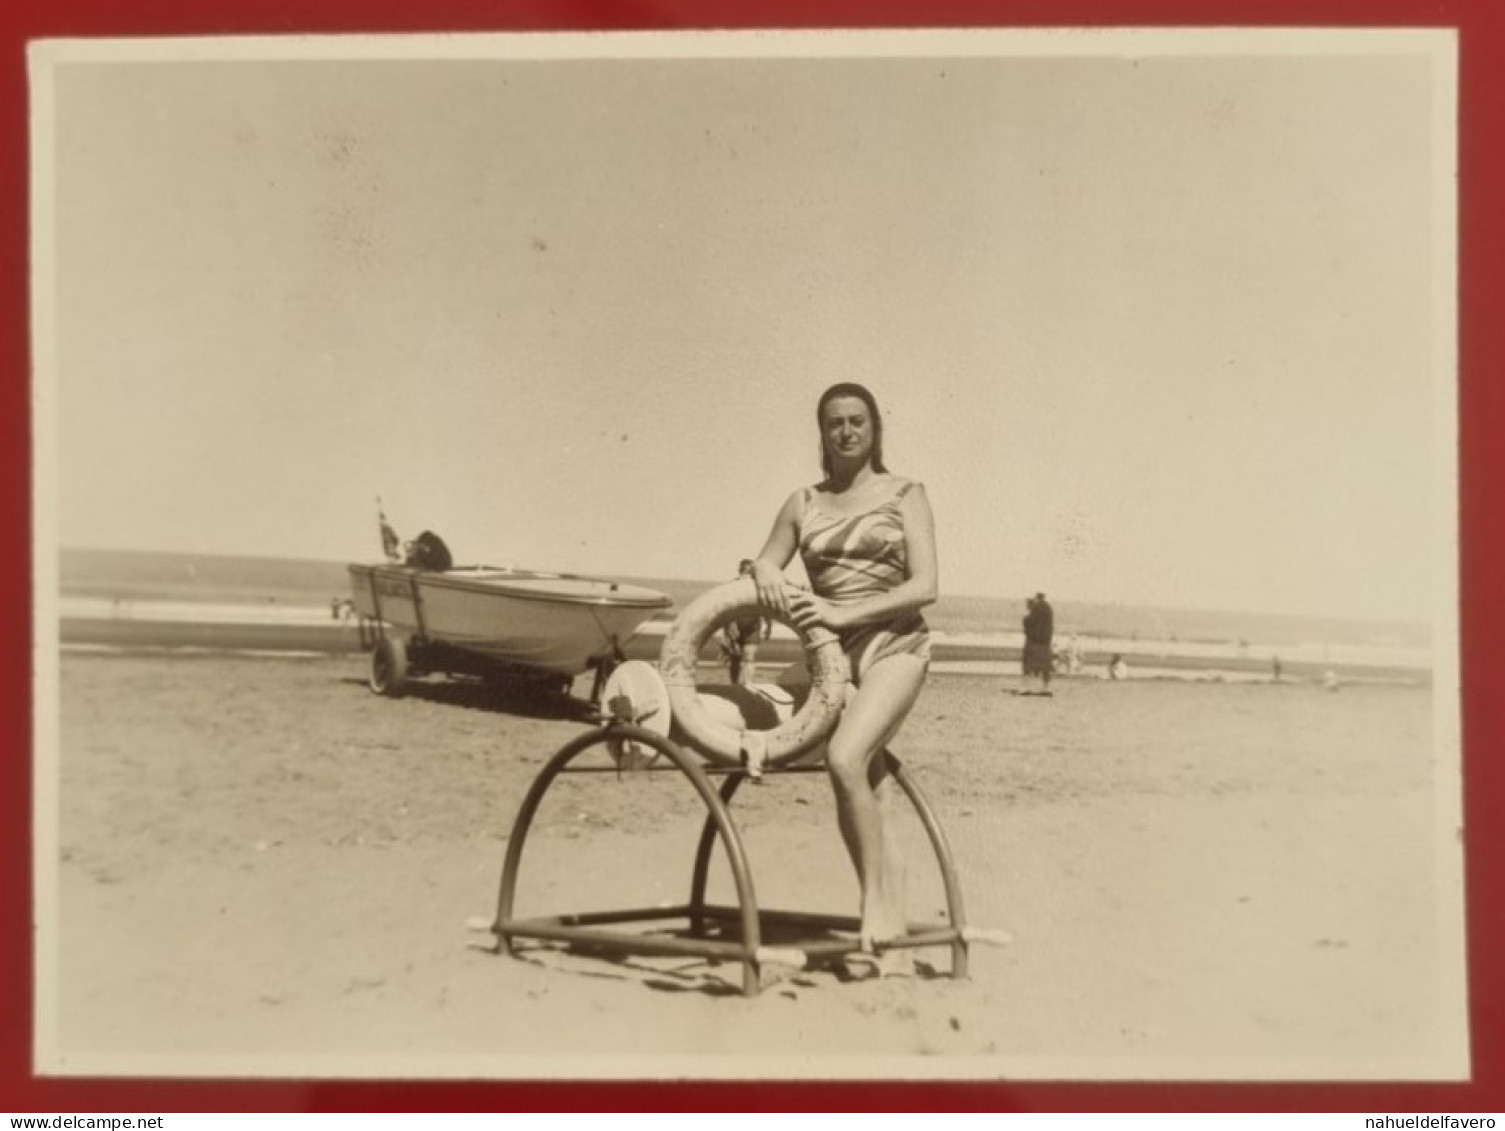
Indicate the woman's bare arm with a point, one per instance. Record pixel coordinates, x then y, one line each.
783 540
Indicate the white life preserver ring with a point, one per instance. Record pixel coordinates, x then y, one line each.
811 725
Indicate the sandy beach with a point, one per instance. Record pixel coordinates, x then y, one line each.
263 869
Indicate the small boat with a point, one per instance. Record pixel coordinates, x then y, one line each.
492 621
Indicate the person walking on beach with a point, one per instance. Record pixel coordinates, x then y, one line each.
867 541
1038 661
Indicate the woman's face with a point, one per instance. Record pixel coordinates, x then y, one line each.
847 428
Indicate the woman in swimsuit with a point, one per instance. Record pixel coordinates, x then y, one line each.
867 541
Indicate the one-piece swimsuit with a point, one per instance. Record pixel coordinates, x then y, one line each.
853 557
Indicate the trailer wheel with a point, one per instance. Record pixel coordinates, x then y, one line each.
389 667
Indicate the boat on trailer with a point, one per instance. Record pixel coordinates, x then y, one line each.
496 622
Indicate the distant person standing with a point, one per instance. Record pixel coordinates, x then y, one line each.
1039 629
1073 656
1117 669
1275 669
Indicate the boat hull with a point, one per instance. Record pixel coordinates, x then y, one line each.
552 623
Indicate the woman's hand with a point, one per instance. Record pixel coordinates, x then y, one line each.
769 580
809 611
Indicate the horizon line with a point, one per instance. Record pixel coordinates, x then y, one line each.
1223 610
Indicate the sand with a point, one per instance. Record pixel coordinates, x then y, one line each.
263 869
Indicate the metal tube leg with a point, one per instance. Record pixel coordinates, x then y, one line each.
701 873
718 819
524 821
719 815
942 848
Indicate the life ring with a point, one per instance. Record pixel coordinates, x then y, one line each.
811 725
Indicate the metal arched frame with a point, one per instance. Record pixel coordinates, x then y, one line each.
619 930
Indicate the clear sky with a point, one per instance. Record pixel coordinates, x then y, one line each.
1151 328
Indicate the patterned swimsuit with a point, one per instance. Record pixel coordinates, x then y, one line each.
853 557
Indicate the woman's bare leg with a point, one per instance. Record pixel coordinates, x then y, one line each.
873 715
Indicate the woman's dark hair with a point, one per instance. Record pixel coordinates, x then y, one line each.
849 389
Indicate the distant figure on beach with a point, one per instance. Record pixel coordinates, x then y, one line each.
1072 656
1038 661
1330 679
1117 669
867 541
1275 668
740 638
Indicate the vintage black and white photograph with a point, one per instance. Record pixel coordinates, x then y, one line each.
924 554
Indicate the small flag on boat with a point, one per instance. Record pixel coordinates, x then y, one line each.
391 545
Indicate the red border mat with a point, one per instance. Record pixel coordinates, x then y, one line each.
1482 407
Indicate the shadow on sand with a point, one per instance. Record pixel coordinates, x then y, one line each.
506 697
710 977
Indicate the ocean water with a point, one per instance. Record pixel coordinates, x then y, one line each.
96 586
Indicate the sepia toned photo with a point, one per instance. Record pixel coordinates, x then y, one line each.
914 555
